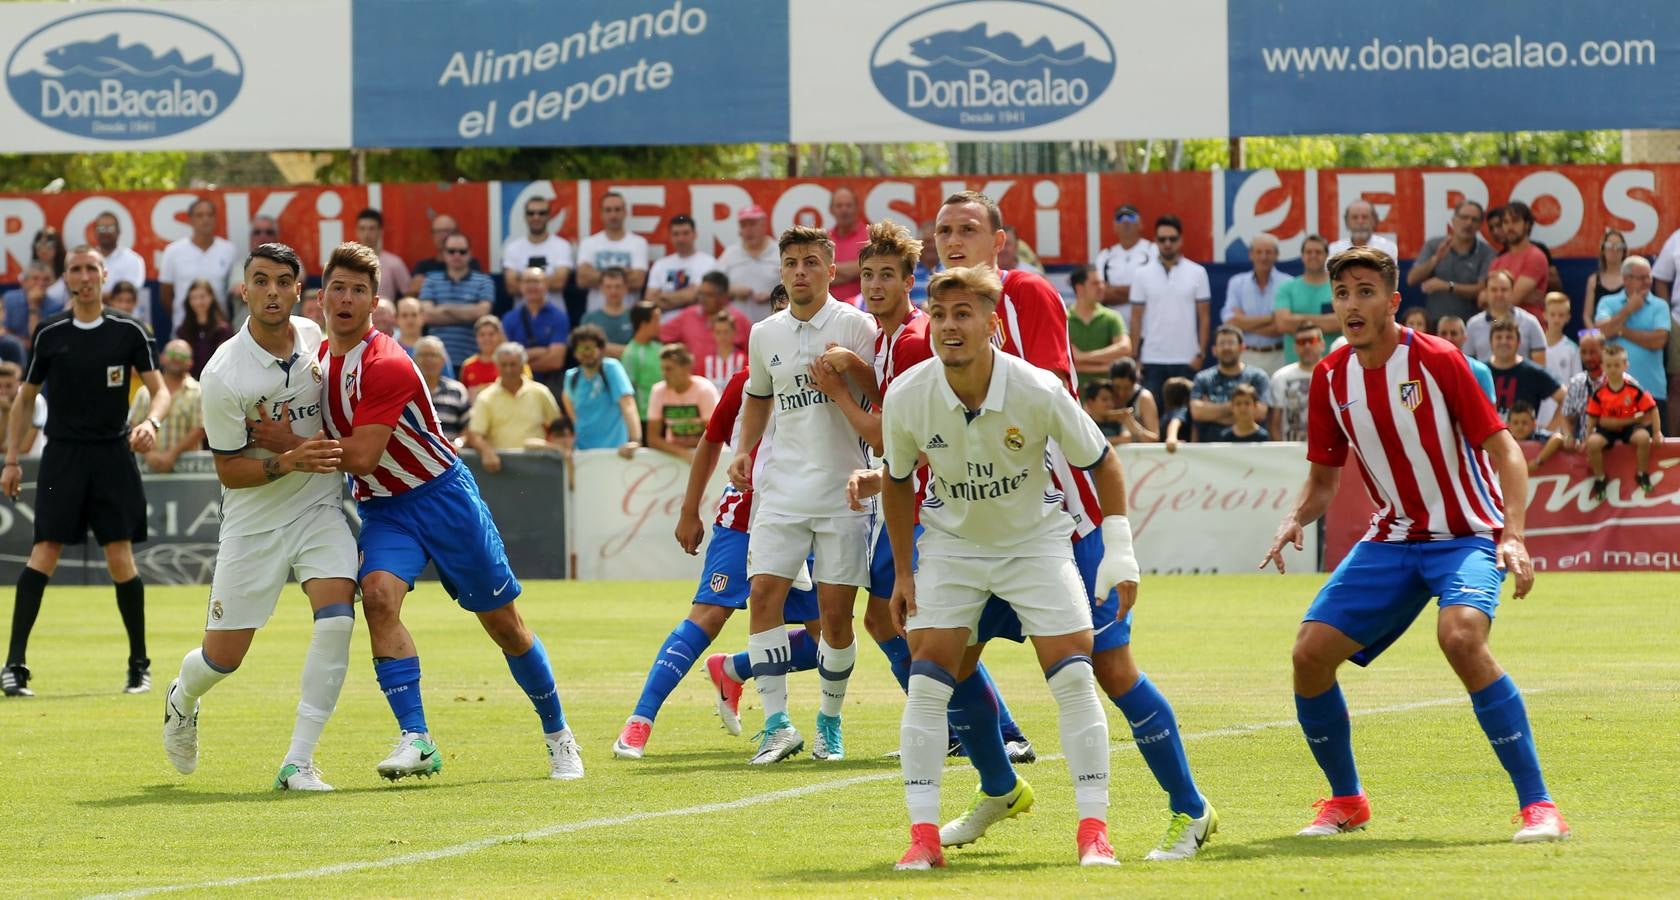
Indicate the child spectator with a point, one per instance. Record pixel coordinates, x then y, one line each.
1563 357
680 406
1140 422
1416 318
1523 426
725 359
641 354
480 368
1098 399
1245 427
1620 412
1175 412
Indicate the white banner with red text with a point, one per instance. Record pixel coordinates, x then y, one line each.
1206 508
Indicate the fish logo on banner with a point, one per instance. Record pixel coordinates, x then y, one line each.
124 74
993 65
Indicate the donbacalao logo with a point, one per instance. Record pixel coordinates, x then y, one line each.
993 65
124 74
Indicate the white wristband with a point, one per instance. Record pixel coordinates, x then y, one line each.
1119 562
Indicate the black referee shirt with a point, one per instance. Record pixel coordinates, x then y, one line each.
88 365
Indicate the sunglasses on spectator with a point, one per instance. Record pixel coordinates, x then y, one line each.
456 251
1166 239
1126 217
533 213
1308 341
1588 333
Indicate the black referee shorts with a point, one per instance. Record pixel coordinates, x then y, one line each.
83 486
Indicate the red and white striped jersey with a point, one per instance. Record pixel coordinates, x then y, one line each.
895 354
1034 327
1417 426
735 507
719 368
377 384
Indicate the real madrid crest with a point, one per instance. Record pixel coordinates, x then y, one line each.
1013 439
315 371
1411 394
215 610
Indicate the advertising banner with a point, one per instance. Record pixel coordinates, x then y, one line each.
1321 67
988 70
184 517
624 516
499 73
175 75
1066 219
1213 507
1567 529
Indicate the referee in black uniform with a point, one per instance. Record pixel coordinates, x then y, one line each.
88 477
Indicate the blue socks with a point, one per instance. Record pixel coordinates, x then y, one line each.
1006 722
803 652
1155 732
973 714
400 680
1499 707
676 656
1324 720
531 671
897 650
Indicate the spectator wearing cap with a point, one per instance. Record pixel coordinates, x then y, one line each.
538 248
613 247
1452 268
1251 305
1639 321
511 413
673 281
200 256
393 272
1120 262
1359 226
123 264
540 326
753 266
1528 265
1097 333
692 327
850 233
1169 310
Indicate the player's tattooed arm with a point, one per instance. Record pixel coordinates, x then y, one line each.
271 468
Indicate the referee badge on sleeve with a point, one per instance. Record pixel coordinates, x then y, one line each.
113 376
1411 394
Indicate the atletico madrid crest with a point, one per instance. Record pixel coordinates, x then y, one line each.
1411 394
720 582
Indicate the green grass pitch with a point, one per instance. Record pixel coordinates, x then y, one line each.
88 803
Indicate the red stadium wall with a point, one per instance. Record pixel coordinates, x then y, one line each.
1567 530
1064 217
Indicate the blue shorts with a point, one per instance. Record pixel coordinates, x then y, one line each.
723 579
882 571
1109 629
1380 588
446 523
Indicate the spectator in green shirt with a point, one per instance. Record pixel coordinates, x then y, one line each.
641 354
1307 299
1097 333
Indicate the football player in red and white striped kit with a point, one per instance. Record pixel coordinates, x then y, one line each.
1451 489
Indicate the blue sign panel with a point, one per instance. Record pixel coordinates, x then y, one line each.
450 73
1326 67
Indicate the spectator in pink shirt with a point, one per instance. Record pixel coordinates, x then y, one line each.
1526 263
680 406
850 233
693 326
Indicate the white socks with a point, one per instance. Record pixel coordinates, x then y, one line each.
198 676
834 670
1084 729
771 658
323 677
923 739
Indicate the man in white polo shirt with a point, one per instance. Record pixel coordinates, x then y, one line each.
201 254
801 489
1169 310
282 514
992 526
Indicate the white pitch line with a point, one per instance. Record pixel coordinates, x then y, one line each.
702 809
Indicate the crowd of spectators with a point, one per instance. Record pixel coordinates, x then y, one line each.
601 346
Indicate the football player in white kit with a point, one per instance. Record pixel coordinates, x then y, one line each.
801 494
282 513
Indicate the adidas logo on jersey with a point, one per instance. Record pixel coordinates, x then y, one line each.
775 360
935 443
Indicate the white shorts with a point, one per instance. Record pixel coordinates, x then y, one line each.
778 545
1046 593
251 569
